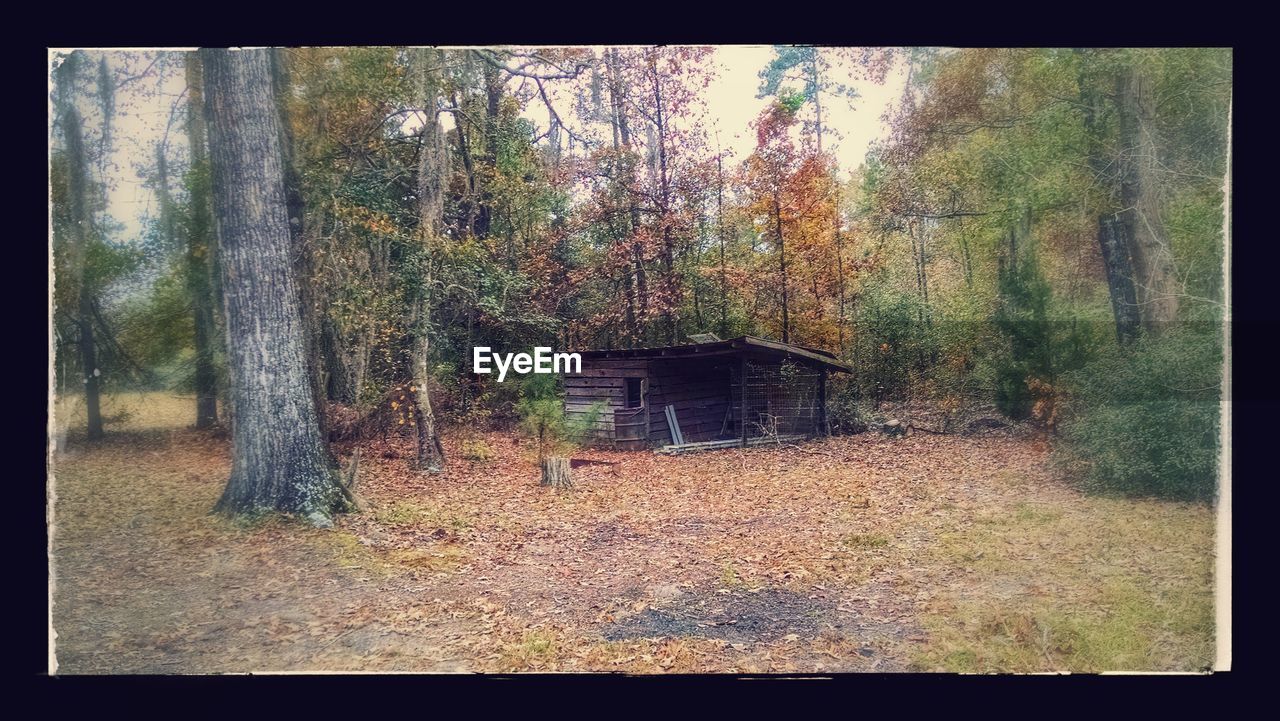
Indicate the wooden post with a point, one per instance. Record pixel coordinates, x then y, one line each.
644 402
822 404
742 398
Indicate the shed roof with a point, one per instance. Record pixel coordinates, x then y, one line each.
733 346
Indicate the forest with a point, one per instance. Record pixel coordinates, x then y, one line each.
270 269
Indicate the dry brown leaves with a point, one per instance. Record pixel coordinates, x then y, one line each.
481 569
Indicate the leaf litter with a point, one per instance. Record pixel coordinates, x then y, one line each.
755 560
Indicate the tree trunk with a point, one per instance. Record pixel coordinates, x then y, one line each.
199 252
641 301
299 242
279 462
432 165
840 284
78 245
1149 249
724 273
629 280
1115 256
782 264
493 108
556 472
815 77
671 305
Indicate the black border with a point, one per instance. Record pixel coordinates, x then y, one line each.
1255 307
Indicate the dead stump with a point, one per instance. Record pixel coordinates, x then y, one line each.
556 473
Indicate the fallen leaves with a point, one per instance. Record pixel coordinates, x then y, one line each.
479 568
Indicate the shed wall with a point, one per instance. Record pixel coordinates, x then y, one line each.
601 380
699 392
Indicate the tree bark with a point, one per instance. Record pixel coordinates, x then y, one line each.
78 245
840 284
1149 249
782 265
641 301
556 472
670 310
432 164
279 462
200 244
724 273
1115 256
492 123
300 244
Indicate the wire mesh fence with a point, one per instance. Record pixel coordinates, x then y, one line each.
781 399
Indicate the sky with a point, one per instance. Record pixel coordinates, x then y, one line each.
732 100
731 106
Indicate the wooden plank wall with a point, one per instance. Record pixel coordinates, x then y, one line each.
601 379
699 391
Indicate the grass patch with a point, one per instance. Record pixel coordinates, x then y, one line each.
1029 513
399 514
348 551
537 650
404 514
729 575
1094 585
1128 629
432 560
864 540
668 655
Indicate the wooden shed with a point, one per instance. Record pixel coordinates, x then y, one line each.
694 396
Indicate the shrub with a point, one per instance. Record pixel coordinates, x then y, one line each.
1038 348
476 449
896 345
541 412
846 412
1145 421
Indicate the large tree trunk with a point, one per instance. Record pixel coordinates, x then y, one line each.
493 107
839 246
432 164
616 122
300 244
199 252
279 462
78 244
1113 232
1153 263
1115 257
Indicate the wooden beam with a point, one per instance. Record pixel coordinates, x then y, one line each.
673 424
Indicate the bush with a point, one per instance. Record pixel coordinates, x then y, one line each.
1038 347
896 346
846 412
541 412
1145 421
476 449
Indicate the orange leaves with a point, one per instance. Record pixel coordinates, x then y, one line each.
366 218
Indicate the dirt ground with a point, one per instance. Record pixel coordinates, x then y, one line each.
860 553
